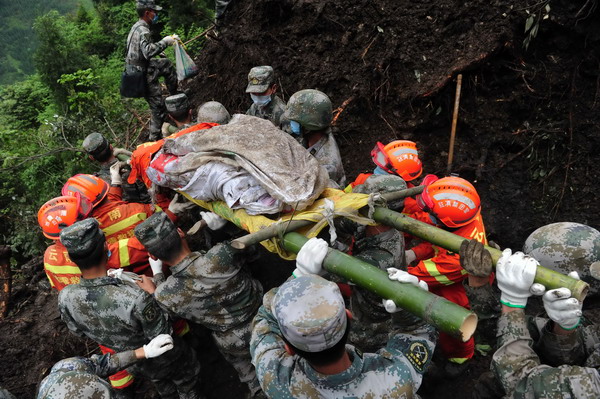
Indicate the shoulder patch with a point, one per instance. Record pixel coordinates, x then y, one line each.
151 311
418 355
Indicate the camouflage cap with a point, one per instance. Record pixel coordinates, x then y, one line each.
152 231
95 143
151 4
260 79
310 312
74 364
383 184
177 104
213 112
82 238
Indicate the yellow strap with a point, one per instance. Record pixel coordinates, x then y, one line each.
185 330
64 269
123 253
435 273
458 360
125 223
51 282
121 381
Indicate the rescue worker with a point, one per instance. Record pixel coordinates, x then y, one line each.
515 363
82 378
213 112
100 150
209 289
116 217
262 89
121 316
454 205
310 115
140 56
179 112
299 341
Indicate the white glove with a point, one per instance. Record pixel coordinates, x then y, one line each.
178 207
515 274
410 256
159 345
563 309
156 265
403 277
310 257
115 175
121 151
164 129
120 274
176 37
213 221
169 40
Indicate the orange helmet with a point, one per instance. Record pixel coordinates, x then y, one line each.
452 200
399 157
91 187
61 212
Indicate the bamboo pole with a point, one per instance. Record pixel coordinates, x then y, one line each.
549 278
409 192
454 122
437 311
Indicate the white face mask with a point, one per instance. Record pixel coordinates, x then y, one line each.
260 101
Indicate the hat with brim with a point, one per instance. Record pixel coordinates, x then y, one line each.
153 231
148 4
82 238
260 79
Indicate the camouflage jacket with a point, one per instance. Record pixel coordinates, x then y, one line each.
54 386
112 313
211 289
328 154
272 111
395 371
522 375
140 46
104 172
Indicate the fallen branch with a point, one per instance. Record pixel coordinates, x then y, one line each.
209 29
32 157
338 111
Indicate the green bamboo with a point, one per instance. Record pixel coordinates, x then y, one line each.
273 230
123 157
439 312
409 192
547 277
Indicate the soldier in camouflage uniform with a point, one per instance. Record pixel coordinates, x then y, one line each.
210 289
141 51
262 88
213 112
179 112
100 150
299 343
80 377
120 316
567 247
515 363
309 113
383 247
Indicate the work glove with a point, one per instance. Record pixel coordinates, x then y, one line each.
402 277
115 174
310 257
176 37
120 274
156 265
562 309
213 221
178 207
515 274
121 151
410 256
164 129
169 40
475 259
159 345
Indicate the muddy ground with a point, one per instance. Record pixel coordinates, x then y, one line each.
528 134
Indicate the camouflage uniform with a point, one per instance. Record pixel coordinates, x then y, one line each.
80 377
261 79
566 247
4 394
140 57
393 372
123 318
518 367
178 107
220 7
212 290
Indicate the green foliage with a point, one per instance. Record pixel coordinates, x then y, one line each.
532 24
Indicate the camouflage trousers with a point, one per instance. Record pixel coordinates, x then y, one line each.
234 345
175 374
220 7
158 67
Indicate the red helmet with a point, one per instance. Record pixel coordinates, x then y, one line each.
91 187
61 212
452 200
399 157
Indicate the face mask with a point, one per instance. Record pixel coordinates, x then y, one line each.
434 220
295 127
108 253
379 171
260 101
155 19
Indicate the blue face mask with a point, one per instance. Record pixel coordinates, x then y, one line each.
260 101
155 19
434 220
295 127
109 253
379 171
